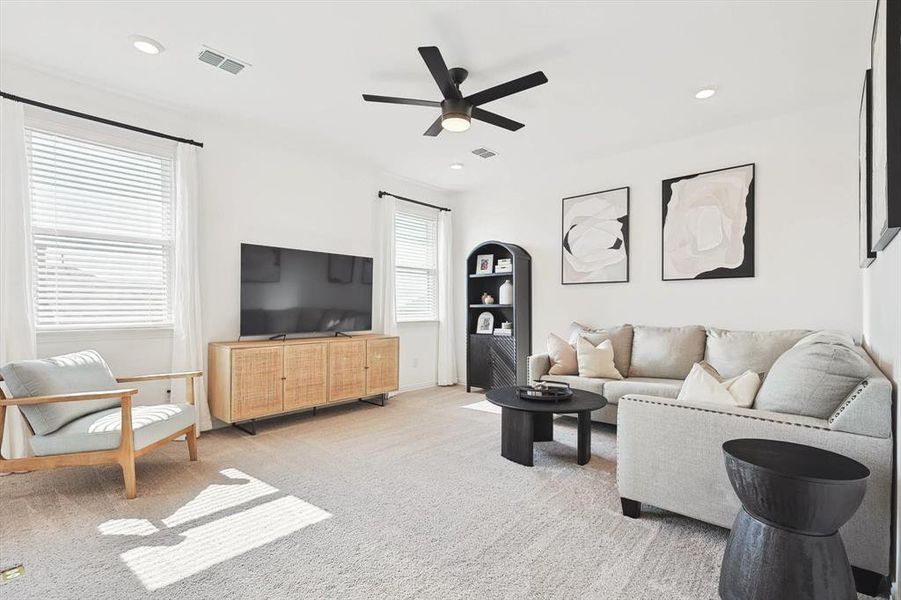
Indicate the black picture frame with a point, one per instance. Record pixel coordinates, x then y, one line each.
625 221
885 63
747 267
864 173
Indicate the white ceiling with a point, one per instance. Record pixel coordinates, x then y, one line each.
622 74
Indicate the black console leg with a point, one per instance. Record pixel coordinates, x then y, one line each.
866 582
379 402
631 508
249 427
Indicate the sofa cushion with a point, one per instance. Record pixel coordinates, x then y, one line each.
588 384
705 386
666 352
645 386
84 371
812 379
620 336
596 361
103 430
562 356
733 352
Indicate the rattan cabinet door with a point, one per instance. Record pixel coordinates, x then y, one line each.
306 375
256 382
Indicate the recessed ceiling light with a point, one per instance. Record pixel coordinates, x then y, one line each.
704 93
456 166
146 45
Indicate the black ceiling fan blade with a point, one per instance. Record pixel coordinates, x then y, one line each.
489 117
393 100
506 89
434 61
435 129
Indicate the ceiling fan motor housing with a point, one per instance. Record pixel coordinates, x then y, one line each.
452 107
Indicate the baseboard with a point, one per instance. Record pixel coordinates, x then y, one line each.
893 594
417 386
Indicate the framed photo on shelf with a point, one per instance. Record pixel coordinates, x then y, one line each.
885 128
485 324
484 264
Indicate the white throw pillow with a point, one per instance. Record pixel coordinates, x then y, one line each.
705 386
596 361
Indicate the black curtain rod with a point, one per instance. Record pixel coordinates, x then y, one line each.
381 193
81 115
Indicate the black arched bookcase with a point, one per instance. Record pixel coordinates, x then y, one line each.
492 360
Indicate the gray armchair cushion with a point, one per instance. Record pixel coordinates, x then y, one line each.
103 430
84 371
732 353
812 379
666 352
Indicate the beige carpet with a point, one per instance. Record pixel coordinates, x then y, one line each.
412 500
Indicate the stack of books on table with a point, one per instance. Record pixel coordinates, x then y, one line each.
505 332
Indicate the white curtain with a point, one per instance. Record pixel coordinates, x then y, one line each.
17 337
384 316
187 340
447 356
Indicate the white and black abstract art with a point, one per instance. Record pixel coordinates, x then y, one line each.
708 225
596 237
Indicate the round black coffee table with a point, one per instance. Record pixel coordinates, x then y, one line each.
524 422
785 541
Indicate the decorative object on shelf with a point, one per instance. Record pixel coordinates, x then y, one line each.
485 264
507 325
785 541
504 265
487 298
505 292
485 323
549 391
708 225
500 359
864 172
595 245
885 79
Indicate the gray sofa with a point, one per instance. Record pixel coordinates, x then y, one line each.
669 453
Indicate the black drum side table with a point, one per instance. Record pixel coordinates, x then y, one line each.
785 541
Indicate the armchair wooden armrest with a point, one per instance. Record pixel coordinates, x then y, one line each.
103 395
188 376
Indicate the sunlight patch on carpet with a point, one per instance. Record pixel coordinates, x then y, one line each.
216 541
484 406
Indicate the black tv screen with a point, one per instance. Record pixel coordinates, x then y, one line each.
300 291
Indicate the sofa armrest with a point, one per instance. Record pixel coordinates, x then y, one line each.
539 365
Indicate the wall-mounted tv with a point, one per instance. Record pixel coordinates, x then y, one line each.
285 291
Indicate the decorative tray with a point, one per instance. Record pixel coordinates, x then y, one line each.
546 391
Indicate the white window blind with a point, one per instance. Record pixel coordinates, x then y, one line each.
102 229
416 268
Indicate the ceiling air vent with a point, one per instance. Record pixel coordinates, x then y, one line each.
484 152
222 61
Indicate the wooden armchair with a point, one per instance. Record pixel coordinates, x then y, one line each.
126 451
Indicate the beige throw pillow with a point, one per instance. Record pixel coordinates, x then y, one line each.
705 386
562 356
596 361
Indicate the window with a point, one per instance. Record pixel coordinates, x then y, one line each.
102 233
416 267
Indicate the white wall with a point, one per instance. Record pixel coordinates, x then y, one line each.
882 336
806 224
258 185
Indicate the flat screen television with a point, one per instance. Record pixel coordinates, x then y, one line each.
285 291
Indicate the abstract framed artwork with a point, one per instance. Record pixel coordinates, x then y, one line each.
708 225
595 238
864 126
885 166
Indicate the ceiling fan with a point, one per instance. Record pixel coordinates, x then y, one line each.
457 110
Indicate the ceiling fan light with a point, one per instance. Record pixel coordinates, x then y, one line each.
455 122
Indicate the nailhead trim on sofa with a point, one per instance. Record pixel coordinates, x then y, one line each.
844 405
724 413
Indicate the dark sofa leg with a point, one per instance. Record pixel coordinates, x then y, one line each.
867 582
631 508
